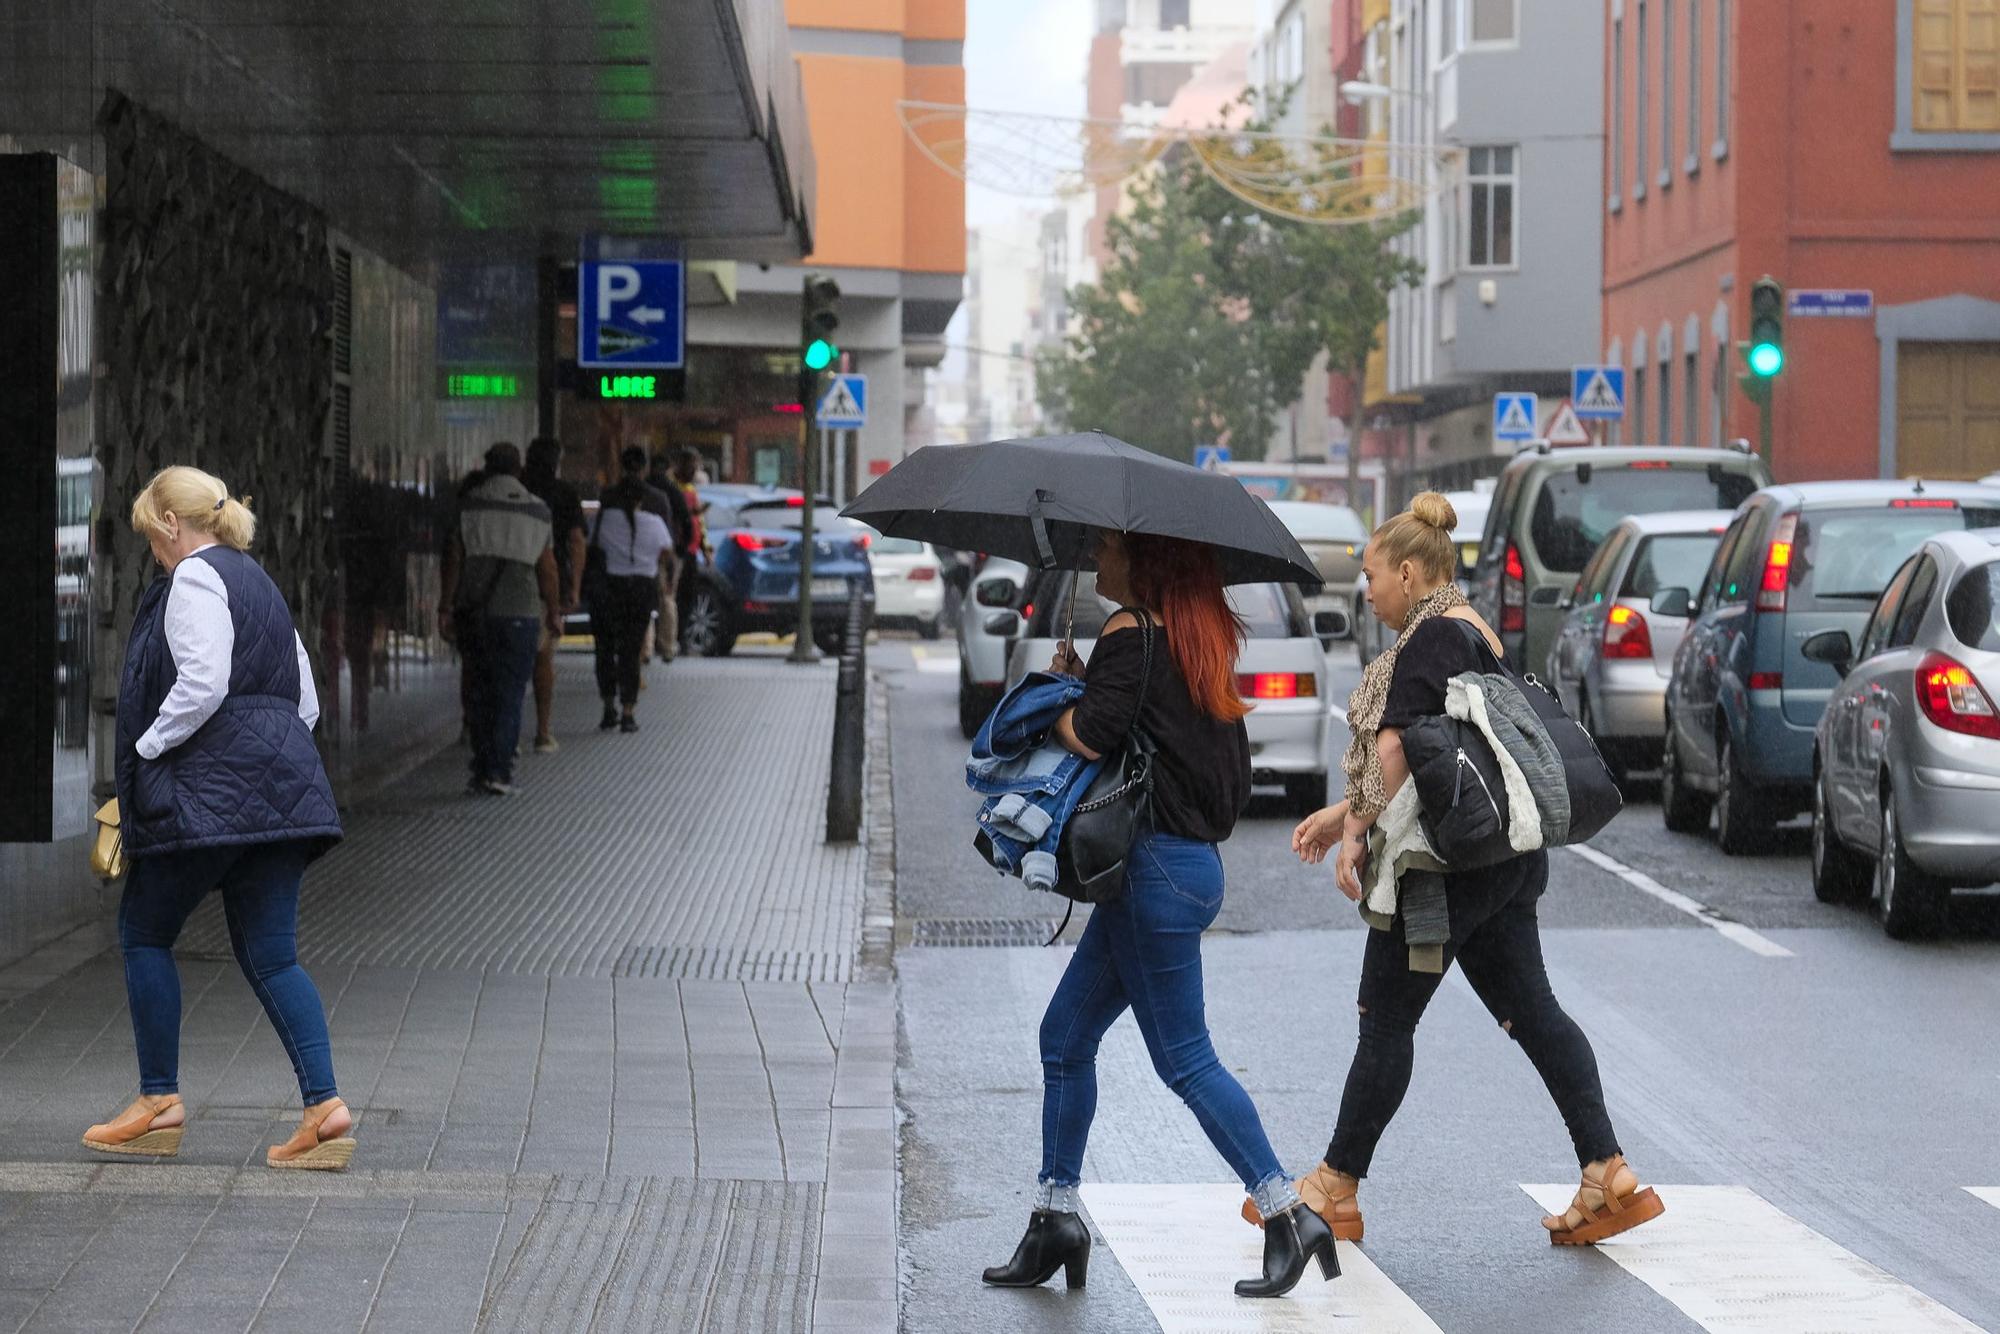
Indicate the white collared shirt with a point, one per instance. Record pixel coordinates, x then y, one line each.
202 637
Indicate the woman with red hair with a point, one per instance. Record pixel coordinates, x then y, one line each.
1142 951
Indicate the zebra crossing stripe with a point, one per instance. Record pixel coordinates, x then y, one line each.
933 661
1990 1194
1724 1255
1185 1246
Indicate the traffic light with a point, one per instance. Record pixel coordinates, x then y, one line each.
816 346
1767 328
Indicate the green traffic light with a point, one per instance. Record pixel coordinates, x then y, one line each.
1767 359
820 354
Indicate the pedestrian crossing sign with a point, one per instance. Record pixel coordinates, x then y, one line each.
1598 392
845 404
1514 416
1564 428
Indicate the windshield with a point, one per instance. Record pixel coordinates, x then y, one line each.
1676 561
826 519
1844 558
1971 612
893 546
1572 516
1321 523
1266 610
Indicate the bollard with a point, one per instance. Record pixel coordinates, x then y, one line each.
850 742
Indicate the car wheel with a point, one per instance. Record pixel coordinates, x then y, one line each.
1742 826
1684 810
830 642
706 630
973 706
931 629
1305 793
1908 902
1838 874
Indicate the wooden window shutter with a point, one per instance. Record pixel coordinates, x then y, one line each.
1978 101
1934 58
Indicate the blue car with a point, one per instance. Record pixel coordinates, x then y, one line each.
1744 700
750 582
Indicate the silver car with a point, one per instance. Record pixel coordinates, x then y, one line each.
1613 652
1906 759
992 598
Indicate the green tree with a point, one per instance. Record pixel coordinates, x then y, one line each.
1209 313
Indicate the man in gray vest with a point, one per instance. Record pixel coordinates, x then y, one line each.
499 596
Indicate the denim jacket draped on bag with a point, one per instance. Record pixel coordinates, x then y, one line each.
1031 781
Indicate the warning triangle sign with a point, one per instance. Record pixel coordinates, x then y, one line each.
1514 418
1599 397
1564 428
839 403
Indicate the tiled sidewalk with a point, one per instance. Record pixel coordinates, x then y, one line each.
611 1060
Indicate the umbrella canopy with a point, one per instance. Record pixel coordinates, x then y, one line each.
1039 501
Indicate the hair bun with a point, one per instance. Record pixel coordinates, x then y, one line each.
1433 510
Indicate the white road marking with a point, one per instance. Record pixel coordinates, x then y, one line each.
1990 1194
1731 1260
937 662
1184 1247
1673 898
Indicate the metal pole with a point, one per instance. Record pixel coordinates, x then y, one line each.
802 647
548 304
1764 425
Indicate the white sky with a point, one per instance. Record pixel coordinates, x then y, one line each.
1023 55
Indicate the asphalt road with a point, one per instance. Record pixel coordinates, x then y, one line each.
1822 1097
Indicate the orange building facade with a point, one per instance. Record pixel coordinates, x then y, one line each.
1850 145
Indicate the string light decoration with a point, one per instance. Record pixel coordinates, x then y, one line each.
1316 179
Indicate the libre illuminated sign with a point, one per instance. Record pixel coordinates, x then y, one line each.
459 385
628 386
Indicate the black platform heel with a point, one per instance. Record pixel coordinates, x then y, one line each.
1292 1238
1053 1241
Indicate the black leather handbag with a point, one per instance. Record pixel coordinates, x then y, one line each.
1115 810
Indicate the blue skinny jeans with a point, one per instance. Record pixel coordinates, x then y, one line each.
260 900
1143 952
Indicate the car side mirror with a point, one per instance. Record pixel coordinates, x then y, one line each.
1329 626
1832 647
1673 602
995 593
1004 624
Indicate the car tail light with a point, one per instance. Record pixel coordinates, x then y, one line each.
1626 634
759 541
923 574
1514 593
795 502
1767 680
1921 503
864 540
1652 465
1277 685
1952 698
1778 566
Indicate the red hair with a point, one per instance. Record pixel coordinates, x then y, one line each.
1183 583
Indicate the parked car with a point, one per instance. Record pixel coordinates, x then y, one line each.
1745 701
995 587
1333 535
1553 507
1906 757
1613 653
1370 635
752 582
1281 671
909 583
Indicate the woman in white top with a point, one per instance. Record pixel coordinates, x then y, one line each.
636 548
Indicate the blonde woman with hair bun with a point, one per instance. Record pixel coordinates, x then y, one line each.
1484 920
220 787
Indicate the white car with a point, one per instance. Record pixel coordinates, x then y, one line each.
1333 535
994 590
1282 671
1370 635
909 583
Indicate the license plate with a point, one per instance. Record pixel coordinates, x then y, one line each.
829 588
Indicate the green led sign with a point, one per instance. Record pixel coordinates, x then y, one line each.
628 386
482 386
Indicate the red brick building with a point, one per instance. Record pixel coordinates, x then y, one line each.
1844 144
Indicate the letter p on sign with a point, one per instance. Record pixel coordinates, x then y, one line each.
615 283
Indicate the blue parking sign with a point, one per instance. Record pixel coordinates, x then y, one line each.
631 312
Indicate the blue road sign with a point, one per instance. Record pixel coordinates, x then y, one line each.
1210 457
631 312
844 407
1831 301
1514 416
1597 393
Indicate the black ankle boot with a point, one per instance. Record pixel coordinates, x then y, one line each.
610 718
1292 1238
1053 1241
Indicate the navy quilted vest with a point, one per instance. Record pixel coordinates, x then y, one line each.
251 773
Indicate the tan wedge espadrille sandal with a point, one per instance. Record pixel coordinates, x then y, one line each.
321 1143
150 1128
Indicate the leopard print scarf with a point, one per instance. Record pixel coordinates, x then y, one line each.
1365 788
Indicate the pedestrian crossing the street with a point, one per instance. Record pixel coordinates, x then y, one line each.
1723 1255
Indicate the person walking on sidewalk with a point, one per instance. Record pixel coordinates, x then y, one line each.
220 786
1142 951
663 497
499 597
1484 920
636 547
541 477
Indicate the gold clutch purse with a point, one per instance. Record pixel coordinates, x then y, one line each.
107 851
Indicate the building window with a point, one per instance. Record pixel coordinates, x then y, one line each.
1721 148
1173 13
1665 435
1492 197
1448 29
1666 92
1691 400
1954 60
1716 395
1617 112
1640 108
1492 21
1635 411
1692 163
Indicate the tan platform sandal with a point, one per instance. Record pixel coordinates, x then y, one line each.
321 1142
1329 1194
1606 1205
150 1128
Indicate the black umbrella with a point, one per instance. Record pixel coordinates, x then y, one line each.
1039 501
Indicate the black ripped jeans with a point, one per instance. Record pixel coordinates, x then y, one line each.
1496 940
